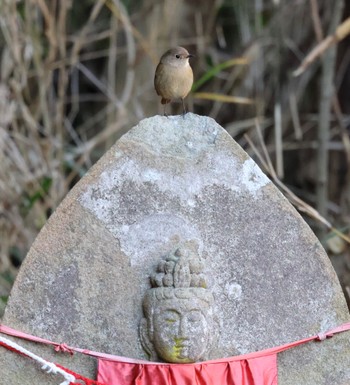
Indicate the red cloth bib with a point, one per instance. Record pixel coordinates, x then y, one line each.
254 371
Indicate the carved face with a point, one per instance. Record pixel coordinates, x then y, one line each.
181 329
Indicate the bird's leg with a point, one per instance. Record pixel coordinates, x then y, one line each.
165 114
184 112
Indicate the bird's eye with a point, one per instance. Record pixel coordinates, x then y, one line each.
177 56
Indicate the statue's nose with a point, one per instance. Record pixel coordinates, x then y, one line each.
183 327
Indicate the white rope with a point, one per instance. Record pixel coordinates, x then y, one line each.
47 366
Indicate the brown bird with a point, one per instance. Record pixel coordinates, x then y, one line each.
174 77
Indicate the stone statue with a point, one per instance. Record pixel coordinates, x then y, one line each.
178 325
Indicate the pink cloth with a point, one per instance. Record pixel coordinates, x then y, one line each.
254 371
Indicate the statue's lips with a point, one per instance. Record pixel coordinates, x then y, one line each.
185 344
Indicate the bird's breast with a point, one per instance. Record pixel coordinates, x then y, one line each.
173 82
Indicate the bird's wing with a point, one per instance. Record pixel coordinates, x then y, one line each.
157 76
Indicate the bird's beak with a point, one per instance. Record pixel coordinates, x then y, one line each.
190 55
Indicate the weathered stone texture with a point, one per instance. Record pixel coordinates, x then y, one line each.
167 181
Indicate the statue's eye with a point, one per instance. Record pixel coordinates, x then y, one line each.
177 56
194 317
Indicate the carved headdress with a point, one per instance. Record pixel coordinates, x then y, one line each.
181 275
180 269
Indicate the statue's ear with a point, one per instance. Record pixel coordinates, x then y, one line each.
146 341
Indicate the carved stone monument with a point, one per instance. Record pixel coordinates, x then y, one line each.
176 247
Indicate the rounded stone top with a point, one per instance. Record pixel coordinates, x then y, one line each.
167 181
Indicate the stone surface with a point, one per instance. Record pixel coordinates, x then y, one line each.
167 181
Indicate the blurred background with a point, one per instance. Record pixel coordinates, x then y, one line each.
76 75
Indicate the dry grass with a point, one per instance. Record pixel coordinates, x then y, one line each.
75 75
